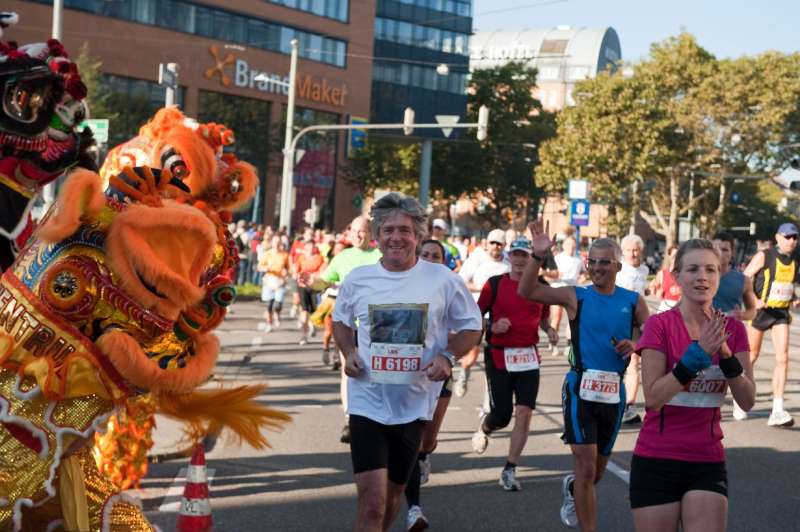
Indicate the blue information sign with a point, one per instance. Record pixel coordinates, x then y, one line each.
579 212
357 138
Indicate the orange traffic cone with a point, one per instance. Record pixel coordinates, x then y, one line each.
195 512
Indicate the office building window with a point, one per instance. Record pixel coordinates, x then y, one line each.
421 76
214 23
387 29
333 9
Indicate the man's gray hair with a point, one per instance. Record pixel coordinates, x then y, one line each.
608 243
633 239
395 202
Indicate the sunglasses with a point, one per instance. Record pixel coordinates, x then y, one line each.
496 243
790 237
600 262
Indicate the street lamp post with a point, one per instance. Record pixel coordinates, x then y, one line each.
288 151
49 190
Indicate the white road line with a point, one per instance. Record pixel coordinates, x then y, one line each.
256 341
625 476
172 499
309 406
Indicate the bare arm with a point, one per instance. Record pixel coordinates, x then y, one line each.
750 302
529 285
658 388
655 284
743 387
462 342
756 265
344 336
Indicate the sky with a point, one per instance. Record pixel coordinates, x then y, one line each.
726 28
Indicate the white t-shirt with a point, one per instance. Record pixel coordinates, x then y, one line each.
633 278
413 308
478 270
569 269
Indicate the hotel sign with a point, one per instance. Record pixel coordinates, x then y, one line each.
310 88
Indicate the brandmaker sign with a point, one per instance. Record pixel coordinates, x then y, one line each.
244 76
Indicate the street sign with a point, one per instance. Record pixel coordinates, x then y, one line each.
579 212
356 138
447 120
578 189
167 77
99 127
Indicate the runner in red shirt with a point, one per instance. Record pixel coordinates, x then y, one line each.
512 362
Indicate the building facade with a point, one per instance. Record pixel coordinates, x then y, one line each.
233 59
562 55
421 61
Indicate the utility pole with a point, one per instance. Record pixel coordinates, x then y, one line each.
288 152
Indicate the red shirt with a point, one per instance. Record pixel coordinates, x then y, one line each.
525 316
669 287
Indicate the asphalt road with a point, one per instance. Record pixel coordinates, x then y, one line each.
304 482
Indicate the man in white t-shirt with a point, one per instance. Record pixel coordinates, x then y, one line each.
479 266
633 276
402 310
570 271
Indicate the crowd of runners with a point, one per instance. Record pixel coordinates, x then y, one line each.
410 314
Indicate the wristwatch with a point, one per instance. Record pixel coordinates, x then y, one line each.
449 356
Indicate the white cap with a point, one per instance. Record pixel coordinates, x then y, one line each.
497 235
440 224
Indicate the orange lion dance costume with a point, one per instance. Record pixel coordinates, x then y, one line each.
115 296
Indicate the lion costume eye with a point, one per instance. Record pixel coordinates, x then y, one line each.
171 160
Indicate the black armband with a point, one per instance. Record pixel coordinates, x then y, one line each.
537 257
731 367
683 374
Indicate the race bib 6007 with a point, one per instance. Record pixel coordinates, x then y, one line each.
707 390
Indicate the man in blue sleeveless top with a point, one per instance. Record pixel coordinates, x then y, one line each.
735 295
601 318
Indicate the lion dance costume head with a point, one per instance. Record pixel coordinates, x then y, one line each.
116 296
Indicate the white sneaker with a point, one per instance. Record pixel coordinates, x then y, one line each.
480 441
303 341
277 322
262 326
631 416
738 413
415 520
554 351
508 480
424 470
780 419
568 515
267 328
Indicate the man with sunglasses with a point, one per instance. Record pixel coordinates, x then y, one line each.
475 271
775 271
602 318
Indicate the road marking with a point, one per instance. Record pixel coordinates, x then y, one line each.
309 406
172 498
624 475
256 341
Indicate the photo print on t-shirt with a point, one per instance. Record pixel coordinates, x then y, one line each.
398 323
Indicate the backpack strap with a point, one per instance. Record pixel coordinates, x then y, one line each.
494 284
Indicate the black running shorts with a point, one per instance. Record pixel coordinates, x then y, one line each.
656 481
766 318
374 445
587 421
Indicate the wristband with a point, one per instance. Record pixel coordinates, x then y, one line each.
451 358
537 257
731 367
683 374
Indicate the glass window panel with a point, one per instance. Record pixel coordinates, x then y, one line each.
315 47
144 11
405 74
203 21
343 9
420 35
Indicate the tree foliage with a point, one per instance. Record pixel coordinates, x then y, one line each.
681 115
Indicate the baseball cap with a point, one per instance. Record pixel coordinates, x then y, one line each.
787 229
520 244
496 235
440 224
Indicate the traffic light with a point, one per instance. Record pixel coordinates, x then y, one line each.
408 121
483 122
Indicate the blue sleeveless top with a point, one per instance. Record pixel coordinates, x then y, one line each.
729 293
599 318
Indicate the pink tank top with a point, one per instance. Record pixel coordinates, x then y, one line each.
688 427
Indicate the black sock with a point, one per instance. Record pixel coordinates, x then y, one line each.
509 465
412 488
422 457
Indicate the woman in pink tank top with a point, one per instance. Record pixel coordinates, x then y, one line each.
691 355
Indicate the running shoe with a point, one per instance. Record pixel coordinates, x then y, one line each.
303 341
337 363
345 437
277 322
554 351
738 413
480 441
326 357
631 416
460 385
780 419
508 480
267 328
568 515
415 520
424 470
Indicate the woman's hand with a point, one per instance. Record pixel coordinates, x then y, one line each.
713 334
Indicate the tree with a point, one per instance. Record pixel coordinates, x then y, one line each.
501 168
682 117
99 98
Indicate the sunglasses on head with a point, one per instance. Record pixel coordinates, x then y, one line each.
790 237
496 243
600 262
